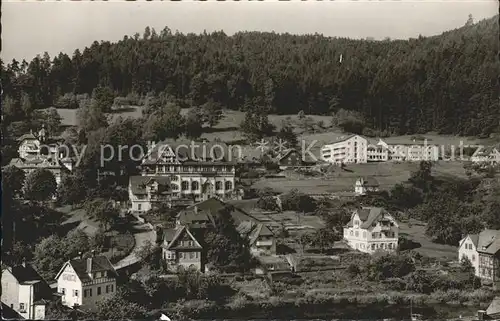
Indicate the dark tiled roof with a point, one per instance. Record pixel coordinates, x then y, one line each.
209 152
489 242
100 263
253 230
25 273
179 231
190 216
367 215
138 183
214 205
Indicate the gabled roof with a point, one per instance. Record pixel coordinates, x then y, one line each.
367 215
100 263
25 274
214 205
253 230
475 239
179 231
489 242
138 183
194 219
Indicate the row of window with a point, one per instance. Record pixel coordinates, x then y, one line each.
375 235
182 255
169 169
196 185
468 246
381 246
88 292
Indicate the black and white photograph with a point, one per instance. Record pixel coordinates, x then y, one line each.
250 160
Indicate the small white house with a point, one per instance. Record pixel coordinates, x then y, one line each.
468 248
366 185
372 229
24 291
84 282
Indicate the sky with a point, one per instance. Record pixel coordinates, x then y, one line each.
31 28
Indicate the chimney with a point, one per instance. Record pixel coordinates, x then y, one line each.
93 253
24 262
196 209
89 265
80 255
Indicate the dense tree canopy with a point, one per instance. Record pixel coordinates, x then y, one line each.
445 83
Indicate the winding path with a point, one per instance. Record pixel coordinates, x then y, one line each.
143 233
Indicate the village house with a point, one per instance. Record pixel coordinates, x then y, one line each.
366 185
83 282
261 238
41 151
372 229
25 291
194 173
483 250
181 250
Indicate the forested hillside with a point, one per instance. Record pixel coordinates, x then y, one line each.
446 83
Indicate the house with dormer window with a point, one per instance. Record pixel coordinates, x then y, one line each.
372 229
483 250
83 282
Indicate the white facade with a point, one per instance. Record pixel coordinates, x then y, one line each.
23 297
468 249
350 150
195 180
374 232
96 286
357 149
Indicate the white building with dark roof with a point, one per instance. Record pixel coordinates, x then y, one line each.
83 282
366 185
40 151
483 250
195 173
372 229
25 291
